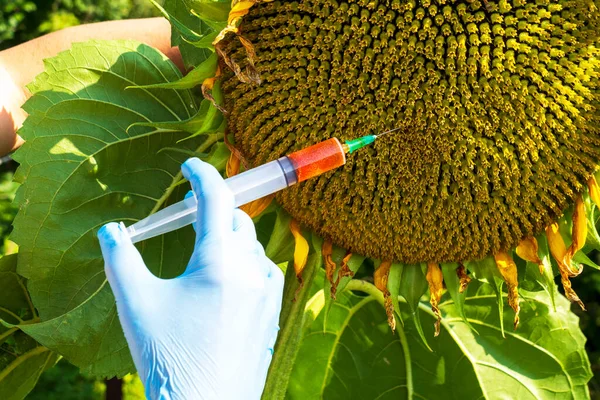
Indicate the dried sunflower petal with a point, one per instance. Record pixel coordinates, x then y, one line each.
381 282
238 10
330 266
579 228
558 249
528 251
508 270
207 90
465 279
342 272
435 279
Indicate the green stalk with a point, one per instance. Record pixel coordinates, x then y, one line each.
207 144
290 323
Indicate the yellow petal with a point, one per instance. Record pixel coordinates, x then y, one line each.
461 271
300 249
381 282
239 10
233 165
594 191
256 207
528 251
508 270
579 232
558 249
565 267
436 288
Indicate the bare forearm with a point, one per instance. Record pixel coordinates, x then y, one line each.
20 64
25 61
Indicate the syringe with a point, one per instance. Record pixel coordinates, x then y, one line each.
255 183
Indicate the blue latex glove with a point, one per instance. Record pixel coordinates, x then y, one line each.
208 334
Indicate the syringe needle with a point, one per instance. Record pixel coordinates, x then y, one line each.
386 132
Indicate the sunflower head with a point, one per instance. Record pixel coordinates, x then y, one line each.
496 103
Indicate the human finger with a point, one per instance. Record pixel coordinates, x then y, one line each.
125 269
215 200
243 225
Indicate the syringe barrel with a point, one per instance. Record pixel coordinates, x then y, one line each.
318 159
261 181
248 186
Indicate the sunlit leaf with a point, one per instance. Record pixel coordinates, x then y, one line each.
355 356
81 168
413 286
192 55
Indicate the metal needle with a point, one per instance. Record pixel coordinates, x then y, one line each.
386 132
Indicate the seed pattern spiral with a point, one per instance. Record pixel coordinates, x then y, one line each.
497 102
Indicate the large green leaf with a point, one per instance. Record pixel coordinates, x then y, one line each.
356 356
81 167
22 359
180 32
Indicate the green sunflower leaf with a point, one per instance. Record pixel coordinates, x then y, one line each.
81 167
218 156
356 356
546 280
281 243
485 270
210 10
207 41
394 279
452 282
593 239
581 258
413 286
22 359
193 78
186 29
186 33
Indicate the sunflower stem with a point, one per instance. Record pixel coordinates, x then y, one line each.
295 297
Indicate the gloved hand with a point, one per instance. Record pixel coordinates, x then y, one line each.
208 334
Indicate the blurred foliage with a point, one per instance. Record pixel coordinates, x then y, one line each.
133 389
8 210
22 20
65 382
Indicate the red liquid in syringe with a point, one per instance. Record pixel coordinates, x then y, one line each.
317 159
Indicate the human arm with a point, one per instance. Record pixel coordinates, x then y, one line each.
209 333
20 64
